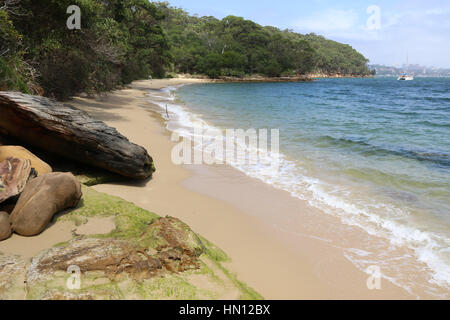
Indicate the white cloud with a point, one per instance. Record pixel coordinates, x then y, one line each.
328 21
422 31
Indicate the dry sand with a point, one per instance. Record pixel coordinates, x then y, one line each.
243 216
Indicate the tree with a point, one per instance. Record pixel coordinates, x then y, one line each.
119 41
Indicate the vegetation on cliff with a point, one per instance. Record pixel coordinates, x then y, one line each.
124 40
234 46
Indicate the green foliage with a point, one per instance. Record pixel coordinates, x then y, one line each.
234 46
119 41
334 57
13 70
125 40
10 77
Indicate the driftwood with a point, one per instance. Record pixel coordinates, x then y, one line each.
64 130
14 175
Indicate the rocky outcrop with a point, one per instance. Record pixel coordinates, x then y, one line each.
112 257
173 249
41 199
63 130
21 153
14 175
144 257
5 226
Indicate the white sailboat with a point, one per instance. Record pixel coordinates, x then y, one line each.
405 76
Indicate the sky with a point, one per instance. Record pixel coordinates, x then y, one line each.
386 32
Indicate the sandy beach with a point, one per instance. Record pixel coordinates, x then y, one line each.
279 245
243 216
176 151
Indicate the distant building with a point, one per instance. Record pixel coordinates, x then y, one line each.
415 69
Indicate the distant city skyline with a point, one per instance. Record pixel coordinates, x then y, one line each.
419 29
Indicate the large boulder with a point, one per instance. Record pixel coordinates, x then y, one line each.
14 175
21 153
5 226
41 199
66 131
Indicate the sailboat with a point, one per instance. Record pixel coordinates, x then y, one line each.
405 76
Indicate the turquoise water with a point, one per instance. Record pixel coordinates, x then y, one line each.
375 152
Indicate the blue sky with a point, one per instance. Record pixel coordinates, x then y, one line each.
417 28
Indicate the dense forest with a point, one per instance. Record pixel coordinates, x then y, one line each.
124 40
234 46
119 41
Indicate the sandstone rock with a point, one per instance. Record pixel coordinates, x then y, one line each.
112 257
41 199
173 233
178 246
5 226
178 250
21 153
66 131
14 175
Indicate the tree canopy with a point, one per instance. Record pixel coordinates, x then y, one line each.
119 41
234 46
124 40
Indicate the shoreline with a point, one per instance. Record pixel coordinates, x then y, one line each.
262 79
279 264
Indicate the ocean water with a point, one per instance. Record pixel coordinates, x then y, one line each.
374 152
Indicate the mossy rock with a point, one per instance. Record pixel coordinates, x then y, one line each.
190 266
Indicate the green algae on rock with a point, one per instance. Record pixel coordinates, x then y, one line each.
145 257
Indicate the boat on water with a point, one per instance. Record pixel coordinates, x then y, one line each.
406 77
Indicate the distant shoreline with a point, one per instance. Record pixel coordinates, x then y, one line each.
261 79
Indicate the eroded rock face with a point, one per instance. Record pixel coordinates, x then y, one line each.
41 199
178 247
66 131
177 250
113 257
14 175
21 153
5 226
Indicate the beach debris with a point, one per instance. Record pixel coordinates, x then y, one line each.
14 175
41 199
21 153
64 130
5 226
